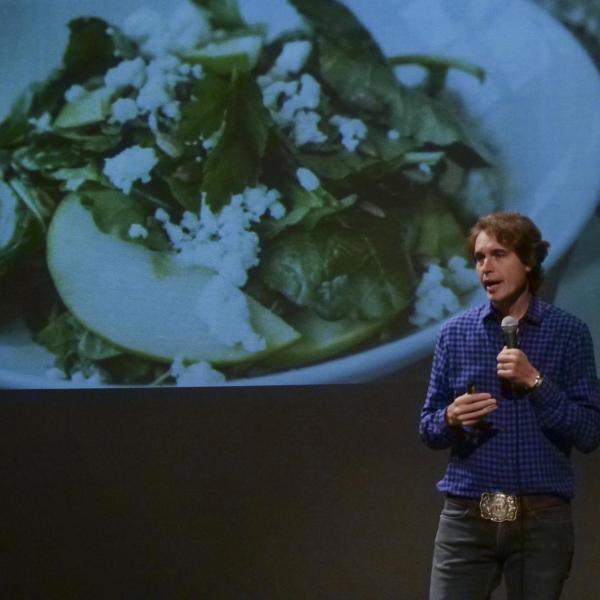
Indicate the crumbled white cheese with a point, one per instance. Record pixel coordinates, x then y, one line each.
186 29
155 78
352 131
94 378
434 301
256 201
137 231
224 309
153 122
130 165
265 80
436 295
172 110
293 57
277 210
142 23
310 91
223 242
284 18
161 215
308 180
123 110
292 103
294 96
195 374
42 123
155 92
461 276
75 92
274 91
433 307
306 128
307 97
184 69
158 93
126 73
432 279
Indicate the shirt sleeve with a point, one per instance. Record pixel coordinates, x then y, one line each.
433 429
572 409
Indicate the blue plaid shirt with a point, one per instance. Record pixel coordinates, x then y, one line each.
525 447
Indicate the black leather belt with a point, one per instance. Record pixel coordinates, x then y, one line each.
499 507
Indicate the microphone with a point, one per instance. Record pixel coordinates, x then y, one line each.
510 327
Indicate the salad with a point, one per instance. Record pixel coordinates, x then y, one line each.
188 200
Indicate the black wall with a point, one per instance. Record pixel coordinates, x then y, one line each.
316 492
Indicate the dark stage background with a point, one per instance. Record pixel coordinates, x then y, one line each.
299 493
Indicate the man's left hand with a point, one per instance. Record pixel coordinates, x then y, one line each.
514 366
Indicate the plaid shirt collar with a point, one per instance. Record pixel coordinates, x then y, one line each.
534 314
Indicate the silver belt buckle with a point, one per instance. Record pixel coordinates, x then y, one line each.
498 507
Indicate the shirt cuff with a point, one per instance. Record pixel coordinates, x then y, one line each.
548 400
442 428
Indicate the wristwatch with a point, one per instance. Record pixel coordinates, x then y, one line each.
537 383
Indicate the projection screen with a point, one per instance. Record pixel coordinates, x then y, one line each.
277 193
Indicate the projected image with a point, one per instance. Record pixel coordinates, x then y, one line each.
272 192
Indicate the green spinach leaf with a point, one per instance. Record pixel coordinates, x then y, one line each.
204 114
115 213
357 268
235 162
73 345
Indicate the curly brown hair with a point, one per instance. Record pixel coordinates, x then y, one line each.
519 233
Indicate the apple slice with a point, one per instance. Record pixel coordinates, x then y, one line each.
140 300
322 339
224 56
90 107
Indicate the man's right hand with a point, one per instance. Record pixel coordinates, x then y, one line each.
468 409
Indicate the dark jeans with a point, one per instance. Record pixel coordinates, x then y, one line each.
471 554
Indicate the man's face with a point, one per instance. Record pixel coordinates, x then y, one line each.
500 270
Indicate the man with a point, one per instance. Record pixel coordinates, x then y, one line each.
510 416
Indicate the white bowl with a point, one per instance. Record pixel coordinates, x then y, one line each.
539 107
